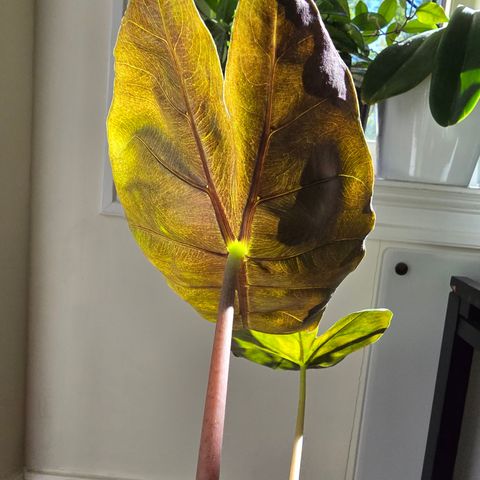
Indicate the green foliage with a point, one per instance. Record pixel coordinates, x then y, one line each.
362 37
388 9
306 350
359 33
400 67
218 16
416 26
431 13
450 54
455 85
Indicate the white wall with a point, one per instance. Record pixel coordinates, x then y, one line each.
118 364
16 56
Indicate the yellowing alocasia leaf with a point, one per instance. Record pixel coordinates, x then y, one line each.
274 160
306 350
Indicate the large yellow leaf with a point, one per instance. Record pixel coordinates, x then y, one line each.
279 163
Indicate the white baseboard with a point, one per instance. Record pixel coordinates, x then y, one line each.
36 475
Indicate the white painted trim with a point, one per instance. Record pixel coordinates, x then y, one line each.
427 214
110 204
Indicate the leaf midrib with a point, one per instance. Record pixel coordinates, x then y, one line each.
222 220
249 210
250 206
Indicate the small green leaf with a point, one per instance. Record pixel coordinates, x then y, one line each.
335 17
305 349
369 21
455 86
226 9
205 8
400 67
344 5
213 4
415 26
431 13
342 41
393 31
348 335
356 35
370 37
387 9
360 7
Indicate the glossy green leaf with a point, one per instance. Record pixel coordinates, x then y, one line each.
334 6
455 85
387 9
205 8
343 41
226 9
356 35
431 13
336 17
370 21
370 37
213 4
415 26
400 67
305 349
360 7
273 157
393 31
344 5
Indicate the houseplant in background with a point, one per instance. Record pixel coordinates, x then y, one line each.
251 194
359 29
440 70
391 47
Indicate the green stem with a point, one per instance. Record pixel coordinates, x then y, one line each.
298 440
210 451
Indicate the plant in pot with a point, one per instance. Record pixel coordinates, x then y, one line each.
250 193
392 47
440 71
359 30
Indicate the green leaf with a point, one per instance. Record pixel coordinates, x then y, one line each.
400 67
369 21
393 31
213 4
431 13
335 17
361 7
455 86
415 26
334 6
272 155
387 9
356 35
226 9
206 9
305 349
344 5
370 37
342 40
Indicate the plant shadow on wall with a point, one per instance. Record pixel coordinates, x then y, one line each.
251 193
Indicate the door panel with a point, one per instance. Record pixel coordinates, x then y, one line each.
403 365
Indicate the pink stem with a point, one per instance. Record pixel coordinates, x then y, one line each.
210 452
